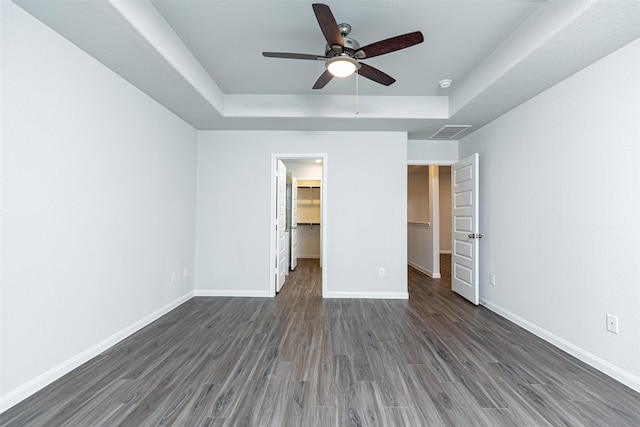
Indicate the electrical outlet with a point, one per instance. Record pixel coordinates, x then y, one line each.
185 273
492 279
381 272
612 323
173 278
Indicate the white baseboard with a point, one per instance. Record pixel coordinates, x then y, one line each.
424 270
613 371
232 293
19 394
367 295
445 252
309 256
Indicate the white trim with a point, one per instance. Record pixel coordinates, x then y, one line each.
434 216
273 269
232 293
367 295
309 179
308 256
445 251
17 395
431 162
596 362
419 224
423 270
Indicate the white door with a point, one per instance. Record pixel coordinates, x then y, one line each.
465 229
281 225
294 222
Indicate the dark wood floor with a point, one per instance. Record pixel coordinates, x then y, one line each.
299 360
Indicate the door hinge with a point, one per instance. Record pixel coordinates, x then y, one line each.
475 236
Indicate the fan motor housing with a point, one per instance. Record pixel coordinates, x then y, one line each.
350 47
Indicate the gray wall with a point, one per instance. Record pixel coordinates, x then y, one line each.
559 212
98 206
366 223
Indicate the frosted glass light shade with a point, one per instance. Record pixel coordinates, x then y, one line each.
342 66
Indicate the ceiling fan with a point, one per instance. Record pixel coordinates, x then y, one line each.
343 54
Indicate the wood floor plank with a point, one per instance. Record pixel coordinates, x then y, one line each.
358 352
297 404
320 416
400 416
215 422
272 410
294 330
256 386
336 326
301 360
501 418
233 390
199 406
320 374
430 399
463 406
475 375
367 403
388 378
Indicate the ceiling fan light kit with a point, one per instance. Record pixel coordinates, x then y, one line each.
342 66
343 54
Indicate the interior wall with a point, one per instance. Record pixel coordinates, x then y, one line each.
445 209
419 231
98 206
304 170
418 194
366 217
309 218
559 213
309 241
428 152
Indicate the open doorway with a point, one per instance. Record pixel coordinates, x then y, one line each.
463 261
429 219
299 194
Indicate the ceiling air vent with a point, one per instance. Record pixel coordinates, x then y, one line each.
450 131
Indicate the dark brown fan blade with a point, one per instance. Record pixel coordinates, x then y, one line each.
376 75
393 44
328 25
293 56
323 80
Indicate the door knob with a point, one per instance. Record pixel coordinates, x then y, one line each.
475 236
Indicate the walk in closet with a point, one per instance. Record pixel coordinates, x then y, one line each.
309 197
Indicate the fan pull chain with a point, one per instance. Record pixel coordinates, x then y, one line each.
357 76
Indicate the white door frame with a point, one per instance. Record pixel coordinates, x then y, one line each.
293 232
280 218
324 217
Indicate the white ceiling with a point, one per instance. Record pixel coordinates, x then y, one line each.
228 38
202 59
